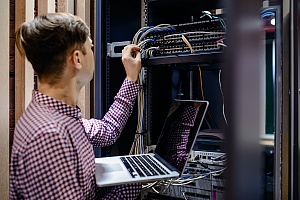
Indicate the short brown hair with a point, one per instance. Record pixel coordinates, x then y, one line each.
48 39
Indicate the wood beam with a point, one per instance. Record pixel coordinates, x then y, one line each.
4 100
66 6
47 6
24 75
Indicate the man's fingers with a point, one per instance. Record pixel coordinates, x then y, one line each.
129 49
138 54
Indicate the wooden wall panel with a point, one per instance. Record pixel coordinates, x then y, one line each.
46 6
66 6
4 99
24 75
20 75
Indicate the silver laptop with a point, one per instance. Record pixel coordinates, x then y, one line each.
168 160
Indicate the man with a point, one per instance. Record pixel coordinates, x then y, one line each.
52 154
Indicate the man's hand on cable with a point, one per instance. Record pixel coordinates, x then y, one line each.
131 58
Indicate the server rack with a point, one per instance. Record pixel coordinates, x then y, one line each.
114 25
160 70
117 25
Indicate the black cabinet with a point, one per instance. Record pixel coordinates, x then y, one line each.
228 77
170 76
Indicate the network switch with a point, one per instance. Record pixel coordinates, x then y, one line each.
207 35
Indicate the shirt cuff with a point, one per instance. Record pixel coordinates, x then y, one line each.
129 90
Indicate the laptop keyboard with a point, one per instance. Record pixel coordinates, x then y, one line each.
142 165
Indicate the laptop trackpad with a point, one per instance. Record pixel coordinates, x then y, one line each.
114 167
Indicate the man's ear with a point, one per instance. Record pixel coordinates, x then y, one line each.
76 59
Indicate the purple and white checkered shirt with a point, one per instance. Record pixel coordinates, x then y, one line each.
52 156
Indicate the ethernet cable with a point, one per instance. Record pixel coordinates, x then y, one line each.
138 33
183 194
142 33
221 44
208 14
202 92
194 32
138 145
187 43
223 106
182 181
161 27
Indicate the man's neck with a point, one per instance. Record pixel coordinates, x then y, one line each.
66 93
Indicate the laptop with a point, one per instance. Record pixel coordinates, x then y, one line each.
170 156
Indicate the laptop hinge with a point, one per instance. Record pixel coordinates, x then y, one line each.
168 165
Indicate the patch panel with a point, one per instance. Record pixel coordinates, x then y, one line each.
195 37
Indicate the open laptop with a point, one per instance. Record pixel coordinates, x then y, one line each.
171 154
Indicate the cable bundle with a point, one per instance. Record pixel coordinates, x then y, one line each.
184 180
138 143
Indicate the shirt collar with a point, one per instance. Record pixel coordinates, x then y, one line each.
56 105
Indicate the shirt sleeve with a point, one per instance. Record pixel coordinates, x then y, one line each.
106 131
45 170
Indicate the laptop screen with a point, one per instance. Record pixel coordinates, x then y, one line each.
180 131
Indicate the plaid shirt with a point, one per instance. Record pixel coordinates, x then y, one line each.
52 156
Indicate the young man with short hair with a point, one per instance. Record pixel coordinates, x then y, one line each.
52 154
